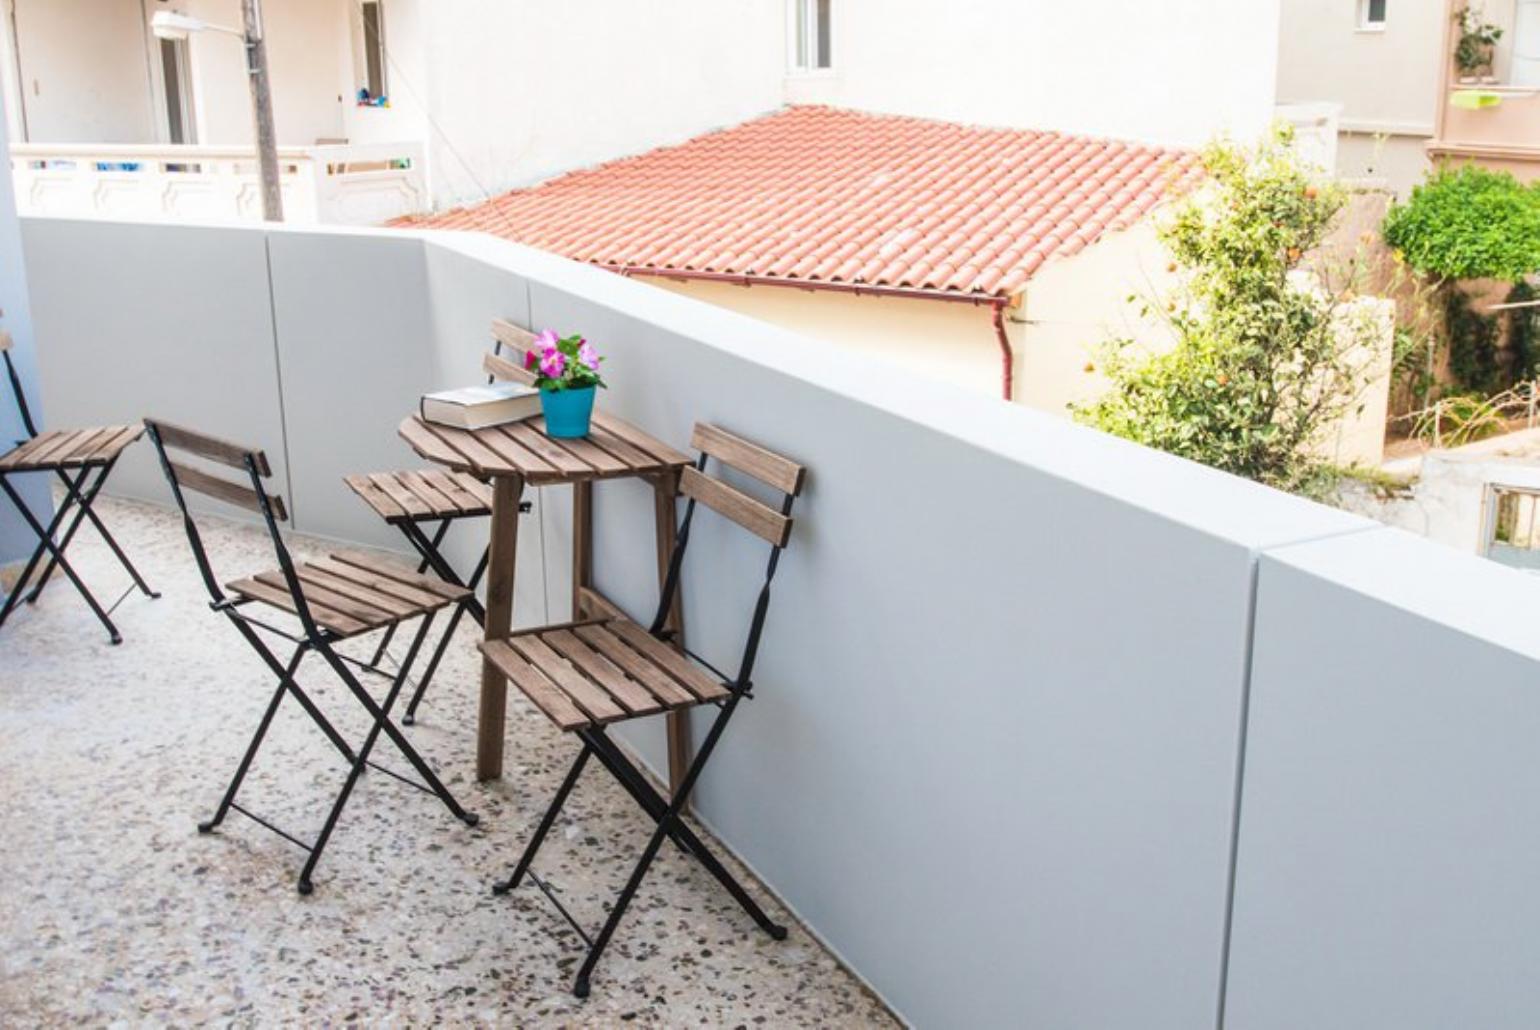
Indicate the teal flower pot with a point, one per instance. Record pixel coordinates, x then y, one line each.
567 412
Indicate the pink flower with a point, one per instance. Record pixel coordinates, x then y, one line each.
530 358
588 356
553 363
546 340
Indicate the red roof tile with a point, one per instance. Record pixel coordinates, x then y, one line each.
820 195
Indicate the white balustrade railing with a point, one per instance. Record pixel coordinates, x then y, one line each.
340 184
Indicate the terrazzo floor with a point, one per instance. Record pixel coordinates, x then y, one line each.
114 910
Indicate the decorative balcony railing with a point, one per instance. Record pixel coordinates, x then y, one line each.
344 184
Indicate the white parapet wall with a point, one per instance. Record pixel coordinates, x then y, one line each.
998 743
342 184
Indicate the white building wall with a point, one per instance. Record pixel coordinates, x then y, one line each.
84 73
1175 72
524 90
1387 80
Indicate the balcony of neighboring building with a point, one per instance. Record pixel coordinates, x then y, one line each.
1491 115
108 119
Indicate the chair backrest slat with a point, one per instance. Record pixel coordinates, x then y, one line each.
189 478
515 339
212 448
754 516
766 466
501 368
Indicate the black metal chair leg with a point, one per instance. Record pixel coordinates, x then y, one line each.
656 806
207 826
46 543
380 717
83 498
430 779
410 715
22 581
87 511
546 822
288 679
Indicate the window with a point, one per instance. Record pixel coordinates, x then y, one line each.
369 51
810 35
1371 15
1512 535
178 91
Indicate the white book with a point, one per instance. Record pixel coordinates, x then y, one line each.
475 407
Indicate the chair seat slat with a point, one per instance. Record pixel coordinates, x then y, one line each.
598 704
535 686
662 686
629 694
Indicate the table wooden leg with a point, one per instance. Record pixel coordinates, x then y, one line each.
582 544
506 491
665 489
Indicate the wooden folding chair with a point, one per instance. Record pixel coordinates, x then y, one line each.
590 674
424 503
82 459
339 597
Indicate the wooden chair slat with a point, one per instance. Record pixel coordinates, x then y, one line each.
438 502
113 446
640 440
55 450
629 694
671 661
470 495
21 454
280 598
210 447
587 696
379 584
231 493
85 444
395 606
514 339
542 692
397 491
501 368
385 569
663 687
759 519
375 498
766 466
314 594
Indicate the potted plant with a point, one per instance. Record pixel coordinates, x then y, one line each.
1473 51
566 371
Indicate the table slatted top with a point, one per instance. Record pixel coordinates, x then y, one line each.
613 448
420 494
70 448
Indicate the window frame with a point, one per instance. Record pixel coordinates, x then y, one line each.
366 50
1365 15
803 38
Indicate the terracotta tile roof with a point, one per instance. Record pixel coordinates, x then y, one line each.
814 195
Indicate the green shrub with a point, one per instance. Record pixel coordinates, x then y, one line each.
1263 360
1469 223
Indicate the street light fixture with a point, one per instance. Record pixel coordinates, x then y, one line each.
177 26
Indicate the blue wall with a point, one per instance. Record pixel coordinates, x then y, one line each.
16 541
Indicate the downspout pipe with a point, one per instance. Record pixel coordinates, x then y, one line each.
1007 356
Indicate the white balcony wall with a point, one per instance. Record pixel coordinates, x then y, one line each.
1389 838
993 756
